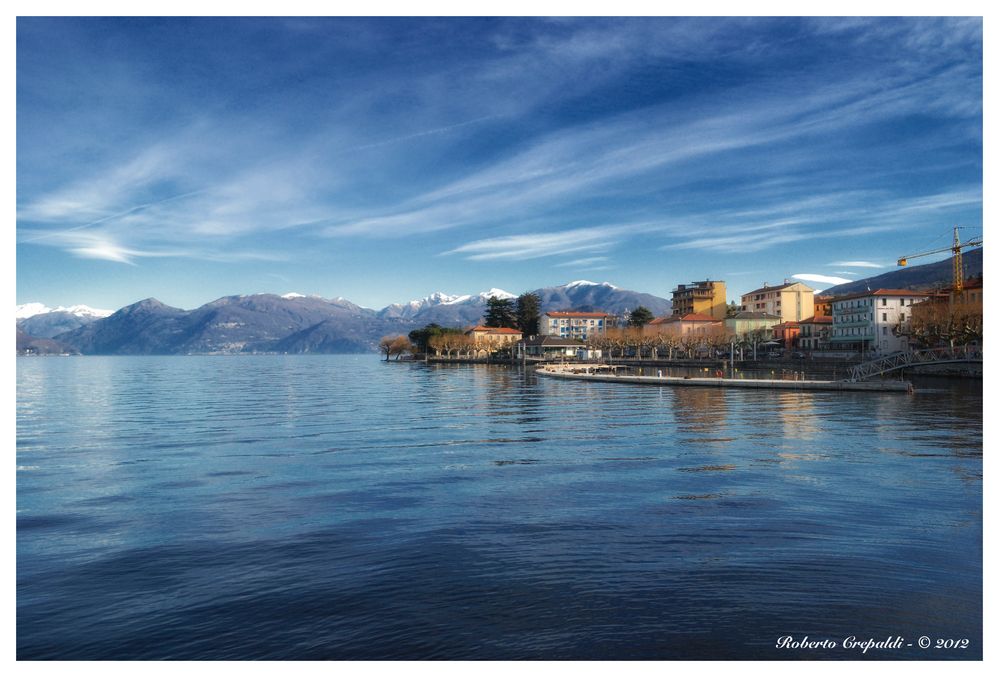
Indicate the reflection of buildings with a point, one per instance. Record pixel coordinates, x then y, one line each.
700 298
700 410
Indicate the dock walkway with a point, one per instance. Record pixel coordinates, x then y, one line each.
584 372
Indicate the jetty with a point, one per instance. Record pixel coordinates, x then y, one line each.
609 374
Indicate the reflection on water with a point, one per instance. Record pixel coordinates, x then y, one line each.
340 507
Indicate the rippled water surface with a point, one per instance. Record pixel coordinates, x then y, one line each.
343 508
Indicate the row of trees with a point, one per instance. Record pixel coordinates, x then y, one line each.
623 342
945 323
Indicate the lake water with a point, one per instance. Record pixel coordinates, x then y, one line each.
337 507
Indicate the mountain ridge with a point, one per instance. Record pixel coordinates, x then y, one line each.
297 323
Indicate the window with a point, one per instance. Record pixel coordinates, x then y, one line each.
884 331
884 317
901 302
901 317
884 302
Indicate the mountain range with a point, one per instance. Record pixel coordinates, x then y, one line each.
295 323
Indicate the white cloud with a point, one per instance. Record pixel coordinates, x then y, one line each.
584 262
857 264
824 279
537 245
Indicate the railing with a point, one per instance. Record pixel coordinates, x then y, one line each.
897 361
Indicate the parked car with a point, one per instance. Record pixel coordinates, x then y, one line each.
798 355
775 354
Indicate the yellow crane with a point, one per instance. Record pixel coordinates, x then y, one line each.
956 249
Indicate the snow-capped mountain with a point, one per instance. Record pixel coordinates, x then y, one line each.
587 283
38 320
438 299
293 322
27 310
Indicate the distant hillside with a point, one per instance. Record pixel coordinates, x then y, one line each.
927 276
295 323
34 345
232 324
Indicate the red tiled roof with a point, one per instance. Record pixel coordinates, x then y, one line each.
573 313
494 330
818 319
777 287
882 292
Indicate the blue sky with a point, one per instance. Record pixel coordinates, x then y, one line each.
384 159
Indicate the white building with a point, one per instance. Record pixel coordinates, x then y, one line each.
572 324
873 321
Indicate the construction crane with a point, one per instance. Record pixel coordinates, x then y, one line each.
956 249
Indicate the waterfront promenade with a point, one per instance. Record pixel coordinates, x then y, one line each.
585 372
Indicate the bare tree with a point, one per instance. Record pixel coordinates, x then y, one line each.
400 346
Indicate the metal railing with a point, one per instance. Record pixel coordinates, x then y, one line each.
896 361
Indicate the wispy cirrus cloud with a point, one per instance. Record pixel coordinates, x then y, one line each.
858 264
824 279
539 245
585 262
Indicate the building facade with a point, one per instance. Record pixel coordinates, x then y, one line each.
700 298
875 321
689 324
815 332
746 322
787 334
791 301
556 348
573 324
823 306
491 338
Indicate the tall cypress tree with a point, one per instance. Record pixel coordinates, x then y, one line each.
499 313
529 314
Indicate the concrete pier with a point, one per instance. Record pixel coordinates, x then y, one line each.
589 373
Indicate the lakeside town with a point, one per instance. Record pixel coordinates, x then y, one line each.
787 321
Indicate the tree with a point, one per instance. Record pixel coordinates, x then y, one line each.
421 337
936 323
500 313
732 309
640 317
385 345
399 347
529 314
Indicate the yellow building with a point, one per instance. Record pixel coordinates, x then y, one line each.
700 298
791 301
493 337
